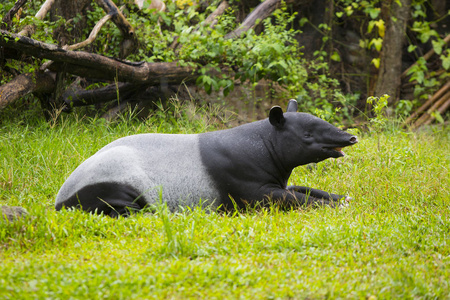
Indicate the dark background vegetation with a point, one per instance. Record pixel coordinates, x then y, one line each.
329 55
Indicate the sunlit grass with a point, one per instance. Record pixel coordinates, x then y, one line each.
391 242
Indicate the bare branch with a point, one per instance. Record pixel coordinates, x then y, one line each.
442 109
129 38
117 17
262 11
92 35
211 19
8 17
29 29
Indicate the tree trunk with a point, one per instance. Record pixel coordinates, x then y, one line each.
389 75
68 10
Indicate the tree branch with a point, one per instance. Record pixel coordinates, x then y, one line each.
211 20
8 17
261 12
117 17
129 41
92 35
29 29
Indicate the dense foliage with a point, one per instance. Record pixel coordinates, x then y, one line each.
322 80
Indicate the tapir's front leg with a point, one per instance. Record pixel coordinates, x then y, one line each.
317 193
287 198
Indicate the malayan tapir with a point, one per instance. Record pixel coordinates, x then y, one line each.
232 168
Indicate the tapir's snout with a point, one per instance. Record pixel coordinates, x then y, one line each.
345 139
353 140
342 142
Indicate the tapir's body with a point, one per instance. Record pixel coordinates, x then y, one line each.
248 164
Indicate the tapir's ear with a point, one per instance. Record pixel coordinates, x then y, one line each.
276 117
292 106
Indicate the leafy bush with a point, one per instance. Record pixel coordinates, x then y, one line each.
273 54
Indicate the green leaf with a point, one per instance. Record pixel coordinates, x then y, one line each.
370 26
427 34
303 21
349 10
199 80
446 60
373 12
419 75
381 27
363 43
376 62
437 46
411 48
438 117
335 56
378 42
339 14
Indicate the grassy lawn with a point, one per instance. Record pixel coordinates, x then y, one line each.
393 241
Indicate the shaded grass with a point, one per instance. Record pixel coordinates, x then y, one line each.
391 242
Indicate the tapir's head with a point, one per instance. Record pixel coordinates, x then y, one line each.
306 138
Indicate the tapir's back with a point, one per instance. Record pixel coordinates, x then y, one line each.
147 163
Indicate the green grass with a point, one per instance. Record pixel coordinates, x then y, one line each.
393 241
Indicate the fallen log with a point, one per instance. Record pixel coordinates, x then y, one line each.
75 96
25 84
97 66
